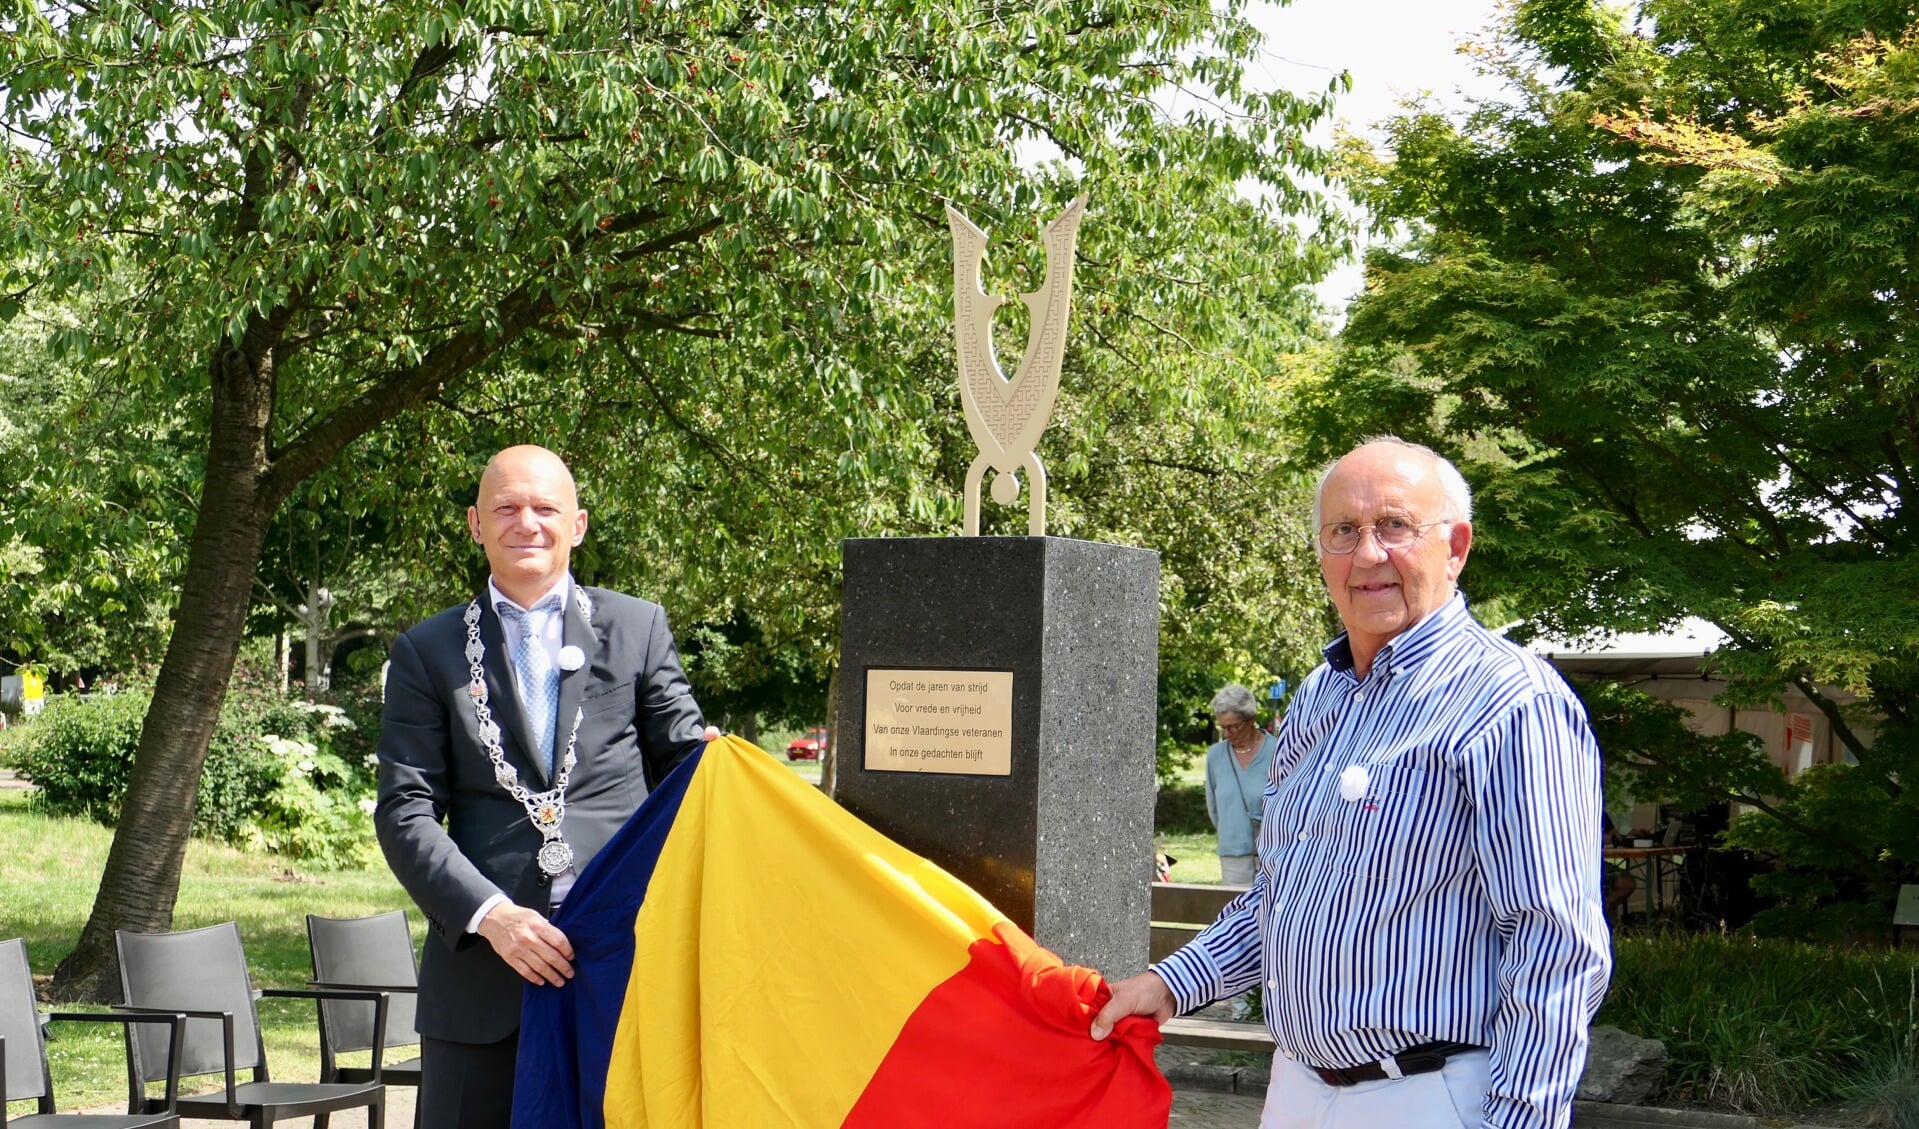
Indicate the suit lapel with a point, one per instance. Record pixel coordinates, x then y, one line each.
577 633
503 694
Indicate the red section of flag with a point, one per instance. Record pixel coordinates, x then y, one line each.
1003 1043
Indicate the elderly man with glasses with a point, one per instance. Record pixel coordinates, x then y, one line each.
1425 919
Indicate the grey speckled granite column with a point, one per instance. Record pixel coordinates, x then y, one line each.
1063 845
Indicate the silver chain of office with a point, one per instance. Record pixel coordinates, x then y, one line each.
545 810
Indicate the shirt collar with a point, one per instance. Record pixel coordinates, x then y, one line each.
1406 649
560 586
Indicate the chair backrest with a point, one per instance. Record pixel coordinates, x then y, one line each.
198 970
20 1026
374 951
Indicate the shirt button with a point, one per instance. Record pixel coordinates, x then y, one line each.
1273 984
1302 836
1289 1054
1359 695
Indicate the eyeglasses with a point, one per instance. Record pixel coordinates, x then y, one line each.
1341 537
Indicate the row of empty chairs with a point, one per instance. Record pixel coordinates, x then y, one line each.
190 1012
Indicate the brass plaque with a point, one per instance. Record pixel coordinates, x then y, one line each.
940 721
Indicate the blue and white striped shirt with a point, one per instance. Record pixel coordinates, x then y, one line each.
1455 898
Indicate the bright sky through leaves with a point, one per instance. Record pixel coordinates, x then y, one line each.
1394 49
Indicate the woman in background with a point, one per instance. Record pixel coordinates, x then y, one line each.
1236 771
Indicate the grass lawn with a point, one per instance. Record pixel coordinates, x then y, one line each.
1195 856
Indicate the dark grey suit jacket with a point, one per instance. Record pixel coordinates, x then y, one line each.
453 836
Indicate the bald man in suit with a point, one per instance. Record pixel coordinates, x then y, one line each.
520 731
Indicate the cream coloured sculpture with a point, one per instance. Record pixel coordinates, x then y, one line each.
1005 416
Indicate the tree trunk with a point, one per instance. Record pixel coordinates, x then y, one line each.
314 614
142 876
830 755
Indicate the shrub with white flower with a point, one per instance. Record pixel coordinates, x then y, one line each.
329 717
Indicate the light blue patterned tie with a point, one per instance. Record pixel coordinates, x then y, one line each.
533 667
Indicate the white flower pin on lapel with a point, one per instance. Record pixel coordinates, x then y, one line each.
1353 782
572 658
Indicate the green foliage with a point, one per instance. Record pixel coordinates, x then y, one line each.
735 672
80 752
1651 750
313 812
1657 303
1763 1027
1180 809
272 779
97 484
1886 1090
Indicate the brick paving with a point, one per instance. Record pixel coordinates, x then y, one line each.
1192 1109
1208 1093
1202 1109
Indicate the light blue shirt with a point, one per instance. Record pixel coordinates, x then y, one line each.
1236 796
1454 896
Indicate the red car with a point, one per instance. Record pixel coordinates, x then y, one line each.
807 746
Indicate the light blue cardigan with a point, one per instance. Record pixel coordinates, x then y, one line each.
1223 793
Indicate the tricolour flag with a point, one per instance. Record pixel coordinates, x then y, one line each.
749 954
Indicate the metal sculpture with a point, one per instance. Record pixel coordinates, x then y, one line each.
1006 417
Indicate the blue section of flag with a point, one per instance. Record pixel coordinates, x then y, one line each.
566 1034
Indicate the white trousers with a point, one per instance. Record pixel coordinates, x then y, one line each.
1446 1099
1238 870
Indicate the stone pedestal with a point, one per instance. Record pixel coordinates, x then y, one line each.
1058 835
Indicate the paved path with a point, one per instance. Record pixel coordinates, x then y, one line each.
1192 1109
1201 1109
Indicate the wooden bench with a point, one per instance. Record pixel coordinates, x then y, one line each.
1180 911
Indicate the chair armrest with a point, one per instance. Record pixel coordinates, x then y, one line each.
336 986
226 1044
375 996
176 1031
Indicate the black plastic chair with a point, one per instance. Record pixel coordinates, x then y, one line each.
24 1074
365 954
202 973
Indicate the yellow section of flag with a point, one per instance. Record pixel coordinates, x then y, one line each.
781 948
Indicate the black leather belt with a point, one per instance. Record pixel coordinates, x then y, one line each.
1422 1059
